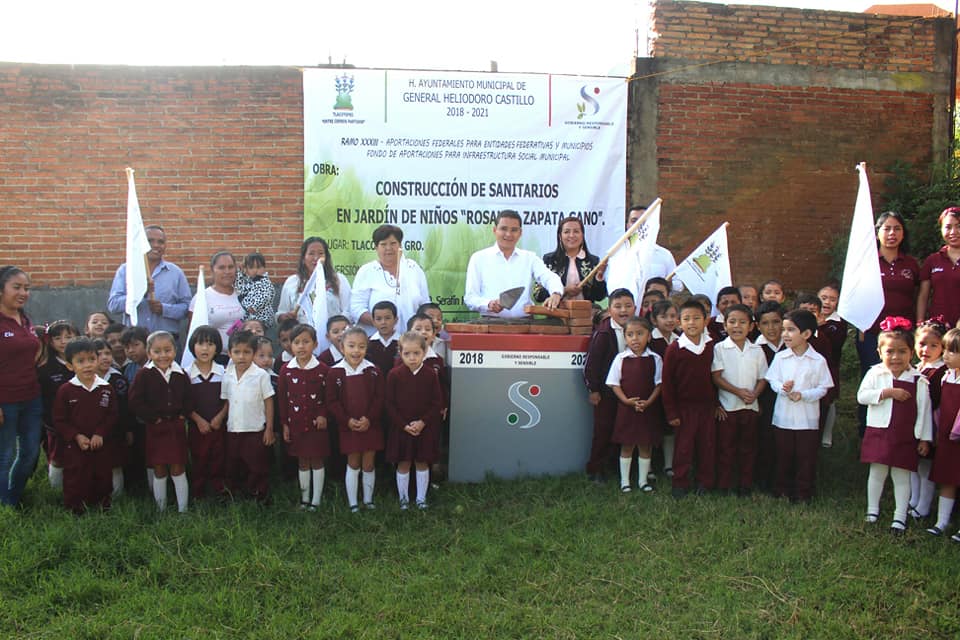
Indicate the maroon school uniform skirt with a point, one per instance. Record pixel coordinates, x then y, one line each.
643 429
895 446
356 396
309 442
166 442
401 446
946 464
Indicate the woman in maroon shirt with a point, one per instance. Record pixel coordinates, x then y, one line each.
940 274
19 389
900 274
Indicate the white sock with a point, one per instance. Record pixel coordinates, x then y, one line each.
403 486
303 475
927 488
625 472
901 492
182 488
423 483
643 468
875 480
668 451
151 476
914 488
369 479
827 437
351 480
318 477
944 510
117 481
55 475
160 492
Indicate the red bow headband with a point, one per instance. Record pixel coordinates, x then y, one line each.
895 323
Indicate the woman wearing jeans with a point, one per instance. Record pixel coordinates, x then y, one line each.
19 390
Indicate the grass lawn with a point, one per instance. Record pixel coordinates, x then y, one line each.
556 558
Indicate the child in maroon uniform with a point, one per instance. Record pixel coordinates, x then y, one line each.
770 325
303 415
929 348
635 379
160 397
899 422
690 401
413 399
205 433
84 414
116 444
665 315
726 298
53 372
382 346
834 330
946 463
823 346
354 394
423 325
605 343
333 354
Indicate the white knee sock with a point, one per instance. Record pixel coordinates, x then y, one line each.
160 492
117 481
55 475
318 476
403 486
944 510
423 483
643 468
875 480
182 490
927 488
151 476
625 473
914 488
668 451
901 492
369 479
351 480
303 476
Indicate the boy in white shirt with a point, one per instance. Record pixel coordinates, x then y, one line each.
248 393
800 377
739 367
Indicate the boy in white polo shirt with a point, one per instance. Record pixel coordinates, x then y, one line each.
248 393
800 377
739 367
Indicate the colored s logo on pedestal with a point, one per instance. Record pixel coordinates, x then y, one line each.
525 405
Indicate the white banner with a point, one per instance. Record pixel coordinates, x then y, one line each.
439 153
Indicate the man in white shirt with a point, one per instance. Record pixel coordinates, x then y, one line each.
623 272
503 267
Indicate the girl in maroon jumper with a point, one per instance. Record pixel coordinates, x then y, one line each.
206 436
414 400
52 373
834 330
160 397
85 413
422 324
899 424
303 415
635 379
946 464
929 349
665 316
354 394
117 442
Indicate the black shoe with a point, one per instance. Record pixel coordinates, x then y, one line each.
935 531
898 530
679 492
701 491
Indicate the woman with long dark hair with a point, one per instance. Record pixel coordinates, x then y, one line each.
572 262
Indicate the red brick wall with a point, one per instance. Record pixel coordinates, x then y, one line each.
218 154
779 35
775 160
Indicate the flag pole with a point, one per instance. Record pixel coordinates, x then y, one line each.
674 272
626 235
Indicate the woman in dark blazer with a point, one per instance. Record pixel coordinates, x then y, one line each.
572 251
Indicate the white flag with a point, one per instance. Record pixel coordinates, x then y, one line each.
707 269
861 294
313 300
201 316
137 247
645 244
